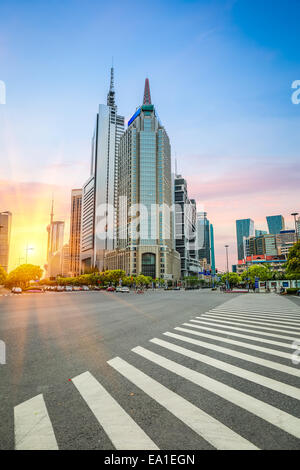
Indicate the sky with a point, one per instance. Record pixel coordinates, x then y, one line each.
220 76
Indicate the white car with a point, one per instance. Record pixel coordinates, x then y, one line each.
16 290
118 289
125 289
68 288
85 288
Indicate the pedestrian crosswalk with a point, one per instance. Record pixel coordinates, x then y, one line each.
236 353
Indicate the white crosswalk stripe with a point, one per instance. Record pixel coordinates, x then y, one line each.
222 339
214 342
33 428
269 413
239 355
229 325
278 319
240 335
260 321
252 324
204 425
238 371
122 430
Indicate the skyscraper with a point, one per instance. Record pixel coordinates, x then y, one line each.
275 224
75 230
203 237
5 231
212 250
145 231
259 232
100 190
185 228
244 229
55 246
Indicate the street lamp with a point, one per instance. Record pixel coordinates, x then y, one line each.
27 250
294 214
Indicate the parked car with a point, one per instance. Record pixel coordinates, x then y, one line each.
125 289
85 288
176 288
111 289
16 290
34 290
60 288
68 288
119 289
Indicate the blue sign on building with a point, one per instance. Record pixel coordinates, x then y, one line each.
136 114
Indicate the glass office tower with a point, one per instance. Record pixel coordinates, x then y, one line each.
275 224
99 193
244 229
145 235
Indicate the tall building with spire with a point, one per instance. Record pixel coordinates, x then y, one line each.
99 193
145 229
55 246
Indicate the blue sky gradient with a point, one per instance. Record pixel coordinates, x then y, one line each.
220 76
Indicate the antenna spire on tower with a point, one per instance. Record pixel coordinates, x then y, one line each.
147 96
111 93
52 213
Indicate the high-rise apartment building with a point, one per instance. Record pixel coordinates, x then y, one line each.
99 193
275 224
75 231
145 228
212 250
185 228
285 240
5 231
244 229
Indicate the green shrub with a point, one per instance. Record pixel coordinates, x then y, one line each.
292 290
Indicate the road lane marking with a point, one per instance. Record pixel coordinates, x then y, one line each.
122 430
259 322
245 323
263 410
259 379
239 335
273 352
263 317
210 429
224 324
33 428
231 352
295 315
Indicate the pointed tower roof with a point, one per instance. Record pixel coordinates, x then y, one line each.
147 96
111 93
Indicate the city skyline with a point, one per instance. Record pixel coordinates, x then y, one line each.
235 140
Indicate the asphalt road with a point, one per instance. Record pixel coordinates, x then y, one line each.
72 381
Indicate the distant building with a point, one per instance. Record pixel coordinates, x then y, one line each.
244 229
65 261
203 237
275 263
55 246
275 224
258 232
212 250
185 228
75 231
100 190
5 232
285 240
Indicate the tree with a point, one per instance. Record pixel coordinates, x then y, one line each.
233 278
22 275
293 260
3 275
261 272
